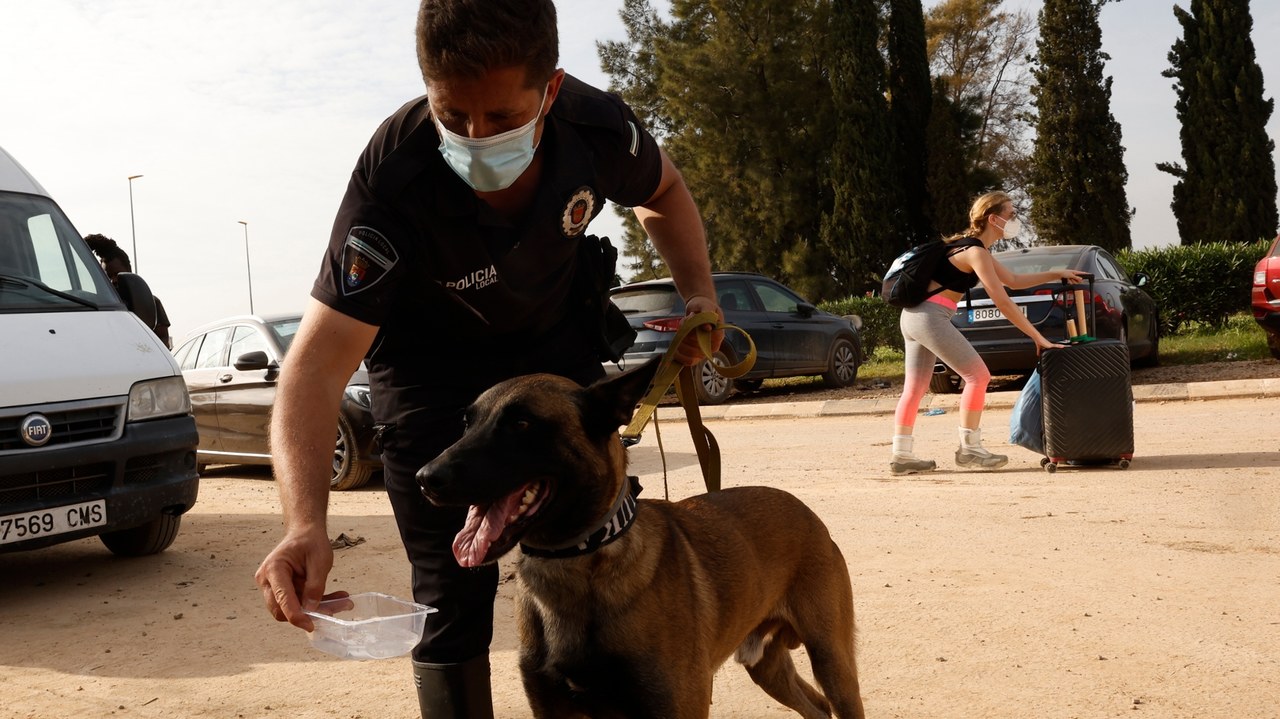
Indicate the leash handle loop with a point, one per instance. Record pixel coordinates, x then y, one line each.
669 371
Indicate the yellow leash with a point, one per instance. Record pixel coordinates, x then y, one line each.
671 372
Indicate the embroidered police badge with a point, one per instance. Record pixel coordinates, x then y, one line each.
578 212
367 257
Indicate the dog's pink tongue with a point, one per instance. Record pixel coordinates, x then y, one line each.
483 526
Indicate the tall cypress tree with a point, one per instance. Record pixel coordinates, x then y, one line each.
1227 190
1077 167
910 104
865 228
739 98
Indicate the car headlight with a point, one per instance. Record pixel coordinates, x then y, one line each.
157 398
359 394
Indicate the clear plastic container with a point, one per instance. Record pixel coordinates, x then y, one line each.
368 626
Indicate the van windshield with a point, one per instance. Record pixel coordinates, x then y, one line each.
44 262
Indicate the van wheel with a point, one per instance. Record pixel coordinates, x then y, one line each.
150 538
711 386
348 473
944 383
1273 344
842 367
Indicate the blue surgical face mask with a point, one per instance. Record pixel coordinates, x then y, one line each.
490 164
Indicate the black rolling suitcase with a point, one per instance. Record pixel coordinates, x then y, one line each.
1087 402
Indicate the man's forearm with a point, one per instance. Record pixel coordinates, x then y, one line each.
303 426
673 224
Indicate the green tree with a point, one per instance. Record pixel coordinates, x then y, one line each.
1226 192
981 101
910 103
1077 169
742 103
633 68
866 227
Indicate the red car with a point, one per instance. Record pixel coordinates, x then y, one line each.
1266 296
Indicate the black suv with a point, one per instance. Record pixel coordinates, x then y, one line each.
792 336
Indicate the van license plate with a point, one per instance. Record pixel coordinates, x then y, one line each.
59 520
986 314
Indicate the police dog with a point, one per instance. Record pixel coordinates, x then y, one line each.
627 608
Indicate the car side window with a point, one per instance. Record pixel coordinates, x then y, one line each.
733 295
776 299
213 352
1109 268
247 339
186 356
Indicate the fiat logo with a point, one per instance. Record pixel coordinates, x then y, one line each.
35 430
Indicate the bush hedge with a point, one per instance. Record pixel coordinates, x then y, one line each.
1191 284
1204 283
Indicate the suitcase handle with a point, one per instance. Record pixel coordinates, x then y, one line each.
1093 306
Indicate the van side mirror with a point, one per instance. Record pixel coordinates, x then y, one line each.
804 309
137 297
1140 279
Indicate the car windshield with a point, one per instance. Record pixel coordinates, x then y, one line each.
646 300
284 331
45 263
1038 259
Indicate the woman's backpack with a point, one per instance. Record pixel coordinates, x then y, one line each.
906 284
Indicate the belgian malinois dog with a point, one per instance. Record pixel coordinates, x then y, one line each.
626 608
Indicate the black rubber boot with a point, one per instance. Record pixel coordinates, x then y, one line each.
454 691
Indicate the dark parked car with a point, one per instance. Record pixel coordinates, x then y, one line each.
231 367
1266 296
1124 311
793 337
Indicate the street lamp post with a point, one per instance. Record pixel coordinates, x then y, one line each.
133 227
247 271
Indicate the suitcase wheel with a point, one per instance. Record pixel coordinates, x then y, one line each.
1124 464
1049 466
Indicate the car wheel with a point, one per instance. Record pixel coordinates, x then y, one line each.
1273 343
711 386
842 368
944 383
748 385
150 538
348 473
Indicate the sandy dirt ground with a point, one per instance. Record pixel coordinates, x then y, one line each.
1151 591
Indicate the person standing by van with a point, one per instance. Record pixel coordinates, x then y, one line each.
115 260
459 258
928 334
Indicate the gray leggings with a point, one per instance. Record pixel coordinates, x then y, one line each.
928 335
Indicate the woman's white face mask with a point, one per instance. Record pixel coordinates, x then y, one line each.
489 164
1011 228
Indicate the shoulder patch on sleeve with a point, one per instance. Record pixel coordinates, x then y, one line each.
367 257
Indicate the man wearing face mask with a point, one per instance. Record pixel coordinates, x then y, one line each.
459 258
928 334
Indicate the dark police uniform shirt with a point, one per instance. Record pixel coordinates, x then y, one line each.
464 298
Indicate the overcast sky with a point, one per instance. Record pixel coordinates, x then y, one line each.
256 111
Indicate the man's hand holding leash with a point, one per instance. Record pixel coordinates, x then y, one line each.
689 352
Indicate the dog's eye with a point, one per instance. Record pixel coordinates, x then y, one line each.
520 425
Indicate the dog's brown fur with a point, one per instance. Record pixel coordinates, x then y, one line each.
639 627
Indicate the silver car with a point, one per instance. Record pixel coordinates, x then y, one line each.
231 367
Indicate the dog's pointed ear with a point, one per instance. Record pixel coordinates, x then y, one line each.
609 403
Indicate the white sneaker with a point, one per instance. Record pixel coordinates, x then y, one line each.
900 464
979 458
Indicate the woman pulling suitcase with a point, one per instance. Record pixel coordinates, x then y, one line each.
928 334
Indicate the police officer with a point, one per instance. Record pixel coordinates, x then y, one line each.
460 258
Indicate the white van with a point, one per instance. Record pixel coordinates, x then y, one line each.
96 432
